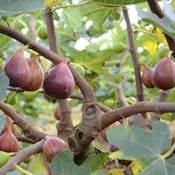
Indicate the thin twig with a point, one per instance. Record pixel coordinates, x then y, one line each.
25 139
135 57
28 130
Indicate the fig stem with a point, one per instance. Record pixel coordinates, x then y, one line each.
23 171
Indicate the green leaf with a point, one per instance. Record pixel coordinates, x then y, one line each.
4 157
64 165
147 146
38 166
160 167
14 7
4 41
140 143
119 2
3 85
165 23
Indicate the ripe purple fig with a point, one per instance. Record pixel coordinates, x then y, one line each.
164 74
35 77
147 77
59 82
17 69
53 146
8 141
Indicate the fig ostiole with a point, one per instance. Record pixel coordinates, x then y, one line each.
147 77
17 69
53 146
59 82
35 77
164 74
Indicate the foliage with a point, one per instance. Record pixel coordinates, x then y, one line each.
92 34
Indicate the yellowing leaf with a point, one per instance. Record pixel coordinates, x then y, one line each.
151 46
161 36
116 172
51 2
136 167
116 155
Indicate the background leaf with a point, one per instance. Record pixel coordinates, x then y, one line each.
14 7
63 163
145 144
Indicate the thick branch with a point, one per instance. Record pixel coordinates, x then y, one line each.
20 156
155 8
80 81
28 130
135 57
141 107
65 126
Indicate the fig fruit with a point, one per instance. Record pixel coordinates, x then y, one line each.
35 78
147 77
59 82
57 113
17 69
164 74
42 32
53 146
8 142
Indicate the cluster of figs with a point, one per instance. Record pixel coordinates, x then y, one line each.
161 76
9 143
28 75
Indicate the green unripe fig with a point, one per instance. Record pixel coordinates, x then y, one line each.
109 103
42 32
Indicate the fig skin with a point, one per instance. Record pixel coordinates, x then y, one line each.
59 82
17 69
164 74
8 142
35 77
147 77
53 146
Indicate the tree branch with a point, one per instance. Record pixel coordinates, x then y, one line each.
28 130
141 107
51 30
135 57
84 86
155 8
65 126
20 156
